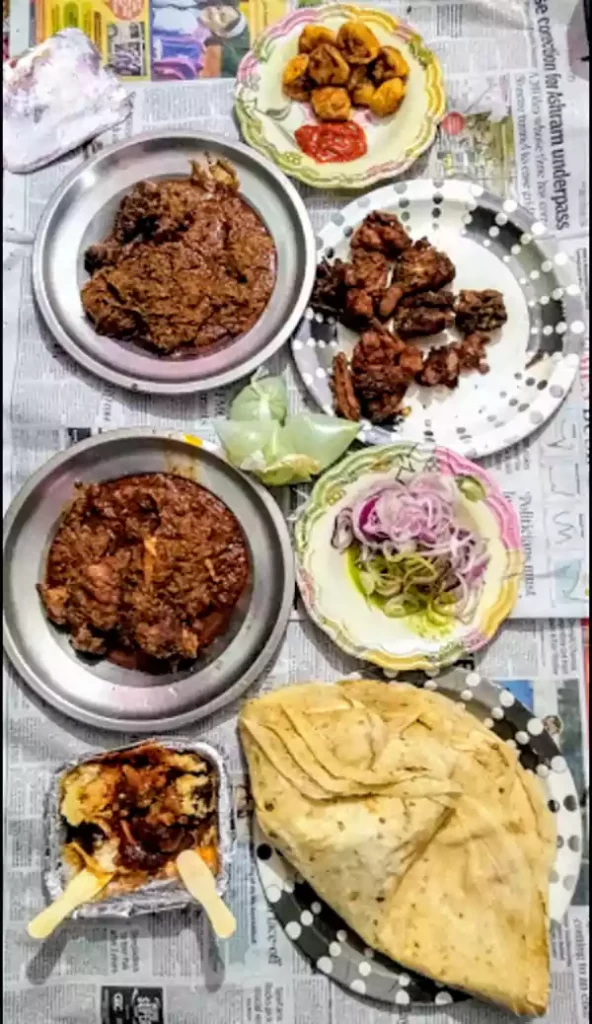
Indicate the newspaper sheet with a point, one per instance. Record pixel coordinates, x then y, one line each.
517 120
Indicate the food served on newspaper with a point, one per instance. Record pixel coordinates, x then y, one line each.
416 824
127 815
412 551
145 570
394 292
188 265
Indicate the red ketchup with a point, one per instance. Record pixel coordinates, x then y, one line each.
332 142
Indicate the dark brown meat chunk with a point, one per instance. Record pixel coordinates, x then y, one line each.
382 232
330 288
472 353
424 313
149 565
359 308
442 366
421 267
189 264
367 270
346 401
387 407
480 310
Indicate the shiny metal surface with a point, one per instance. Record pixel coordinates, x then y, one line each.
81 213
100 693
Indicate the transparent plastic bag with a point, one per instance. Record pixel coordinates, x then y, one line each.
57 96
290 454
265 398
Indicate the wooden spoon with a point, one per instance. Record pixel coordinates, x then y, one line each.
83 887
200 882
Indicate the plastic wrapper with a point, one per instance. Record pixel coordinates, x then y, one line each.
265 398
293 453
163 894
56 97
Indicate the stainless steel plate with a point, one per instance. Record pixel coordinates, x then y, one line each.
81 213
100 693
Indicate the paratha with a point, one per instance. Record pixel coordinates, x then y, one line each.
416 824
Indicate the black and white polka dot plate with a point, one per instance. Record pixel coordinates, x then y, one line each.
533 359
331 945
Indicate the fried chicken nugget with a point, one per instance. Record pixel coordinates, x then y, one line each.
295 81
326 66
331 103
390 63
313 35
387 97
360 87
358 43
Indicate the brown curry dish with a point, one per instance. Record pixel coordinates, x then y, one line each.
130 813
145 570
189 265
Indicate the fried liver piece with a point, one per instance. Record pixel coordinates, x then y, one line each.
480 310
420 267
382 232
346 402
424 313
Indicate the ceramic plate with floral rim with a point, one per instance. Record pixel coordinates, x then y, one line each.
268 118
329 581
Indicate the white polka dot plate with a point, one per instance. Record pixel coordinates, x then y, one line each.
335 950
533 358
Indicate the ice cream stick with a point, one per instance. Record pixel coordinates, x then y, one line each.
200 882
82 888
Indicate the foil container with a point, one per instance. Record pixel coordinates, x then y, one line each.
163 894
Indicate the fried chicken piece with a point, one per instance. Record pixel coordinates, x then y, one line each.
331 103
390 63
387 97
421 267
295 81
346 402
313 35
424 313
357 42
411 362
327 66
480 310
382 232
442 366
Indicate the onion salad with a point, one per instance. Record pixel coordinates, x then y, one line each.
410 553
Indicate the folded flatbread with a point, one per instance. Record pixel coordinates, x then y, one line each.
416 824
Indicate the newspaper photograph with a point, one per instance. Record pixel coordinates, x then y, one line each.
517 122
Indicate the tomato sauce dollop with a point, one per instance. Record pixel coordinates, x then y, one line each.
332 142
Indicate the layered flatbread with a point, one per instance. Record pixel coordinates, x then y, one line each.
416 824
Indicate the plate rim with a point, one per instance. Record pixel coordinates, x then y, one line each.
449 651
271 645
142 385
455 682
436 92
498 438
